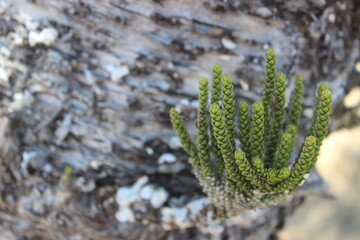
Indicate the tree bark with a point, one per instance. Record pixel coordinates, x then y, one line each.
88 85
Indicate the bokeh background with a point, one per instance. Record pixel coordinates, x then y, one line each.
339 165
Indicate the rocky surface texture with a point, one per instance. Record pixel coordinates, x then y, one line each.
86 145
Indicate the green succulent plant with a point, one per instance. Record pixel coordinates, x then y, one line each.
259 173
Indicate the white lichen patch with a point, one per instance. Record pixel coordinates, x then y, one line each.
196 206
308 112
135 195
177 216
125 214
48 168
26 158
117 72
227 43
125 196
128 195
166 158
28 21
9 66
18 36
20 100
159 197
147 191
156 195
167 218
244 85
85 186
183 217
149 150
47 37
264 12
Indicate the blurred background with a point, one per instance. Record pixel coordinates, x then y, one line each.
339 165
